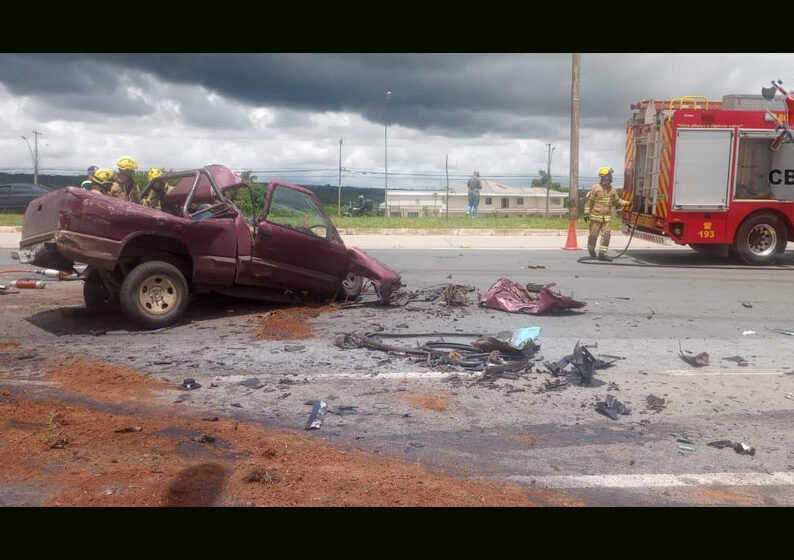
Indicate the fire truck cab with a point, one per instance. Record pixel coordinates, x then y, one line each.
706 174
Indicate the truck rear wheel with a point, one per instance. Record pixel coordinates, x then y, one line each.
760 239
154 294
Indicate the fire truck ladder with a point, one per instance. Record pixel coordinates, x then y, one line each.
652 160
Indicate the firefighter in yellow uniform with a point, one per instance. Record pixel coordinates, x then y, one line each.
598 211
101 181
157 191
124 186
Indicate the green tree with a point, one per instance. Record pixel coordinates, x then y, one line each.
544 181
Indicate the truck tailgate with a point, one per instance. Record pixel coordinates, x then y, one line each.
42 218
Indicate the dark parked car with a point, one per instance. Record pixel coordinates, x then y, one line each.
16 196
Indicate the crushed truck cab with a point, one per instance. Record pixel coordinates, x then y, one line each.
149 261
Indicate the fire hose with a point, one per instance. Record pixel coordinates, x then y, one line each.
588 260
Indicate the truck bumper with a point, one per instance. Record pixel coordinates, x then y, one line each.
65 248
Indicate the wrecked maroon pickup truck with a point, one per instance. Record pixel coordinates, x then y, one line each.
149 261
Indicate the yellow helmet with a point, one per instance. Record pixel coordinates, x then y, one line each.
104 175
154 173
126 163
605 171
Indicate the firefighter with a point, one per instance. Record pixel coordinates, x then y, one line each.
124 186
86 185
101 181
157 191
598 211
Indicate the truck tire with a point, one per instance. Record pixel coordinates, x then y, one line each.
759 239
351 287
95 293
154 294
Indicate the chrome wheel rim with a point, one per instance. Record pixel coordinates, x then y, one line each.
762 240
351 281
158 294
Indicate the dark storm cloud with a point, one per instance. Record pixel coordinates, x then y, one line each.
457 95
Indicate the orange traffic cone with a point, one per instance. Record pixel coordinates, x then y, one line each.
571 243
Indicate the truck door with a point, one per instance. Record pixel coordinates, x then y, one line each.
702 169
296 246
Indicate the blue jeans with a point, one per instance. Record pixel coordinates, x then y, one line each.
474 203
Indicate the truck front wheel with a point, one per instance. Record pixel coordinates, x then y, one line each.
351 287
760 239
154 294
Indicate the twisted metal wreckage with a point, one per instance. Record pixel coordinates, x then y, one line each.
504 354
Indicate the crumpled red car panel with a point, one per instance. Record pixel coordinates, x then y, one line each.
506 295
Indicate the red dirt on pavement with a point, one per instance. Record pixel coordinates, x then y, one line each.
438 403
105 381
291 323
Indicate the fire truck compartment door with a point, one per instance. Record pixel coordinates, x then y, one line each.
702 169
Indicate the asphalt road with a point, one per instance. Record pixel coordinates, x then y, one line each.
640 307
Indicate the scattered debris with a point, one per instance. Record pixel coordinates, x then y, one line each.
294 347
519 342
189 384
536 266
694 360
781 331
204 438
789 396
657 404
252 383
740 448
263 476
747 304
128 430
506 295
317 416
210 419
746 333
555 384
236 405
583 362
738 359
686 448
613 386
445 294
611 407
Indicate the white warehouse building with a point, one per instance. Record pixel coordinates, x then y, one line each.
495 198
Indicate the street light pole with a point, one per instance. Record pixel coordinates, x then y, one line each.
573 185
36 158
386 156
548 177
339 194
446 165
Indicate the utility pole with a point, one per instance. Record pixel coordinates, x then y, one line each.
573 193
446 165
36 158
548 177
386 155
339 194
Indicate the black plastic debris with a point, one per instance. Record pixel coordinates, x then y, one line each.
204 438
611 407
319 408
189 384
740 448
505 343
694 360
252 383
657 404
555 384
738 359
781 331
747 304
583 362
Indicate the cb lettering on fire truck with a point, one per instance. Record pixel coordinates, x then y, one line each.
717 176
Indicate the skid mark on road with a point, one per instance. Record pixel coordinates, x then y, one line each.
658 480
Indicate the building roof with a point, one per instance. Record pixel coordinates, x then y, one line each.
489 188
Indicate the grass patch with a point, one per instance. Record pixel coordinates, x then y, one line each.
11 219
463 222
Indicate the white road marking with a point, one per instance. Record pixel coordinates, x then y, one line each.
397 375
659 480
732 373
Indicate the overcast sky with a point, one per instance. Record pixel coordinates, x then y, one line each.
278 113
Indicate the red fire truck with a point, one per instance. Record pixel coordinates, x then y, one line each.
712 175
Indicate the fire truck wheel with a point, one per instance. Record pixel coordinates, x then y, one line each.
759 239
154 294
